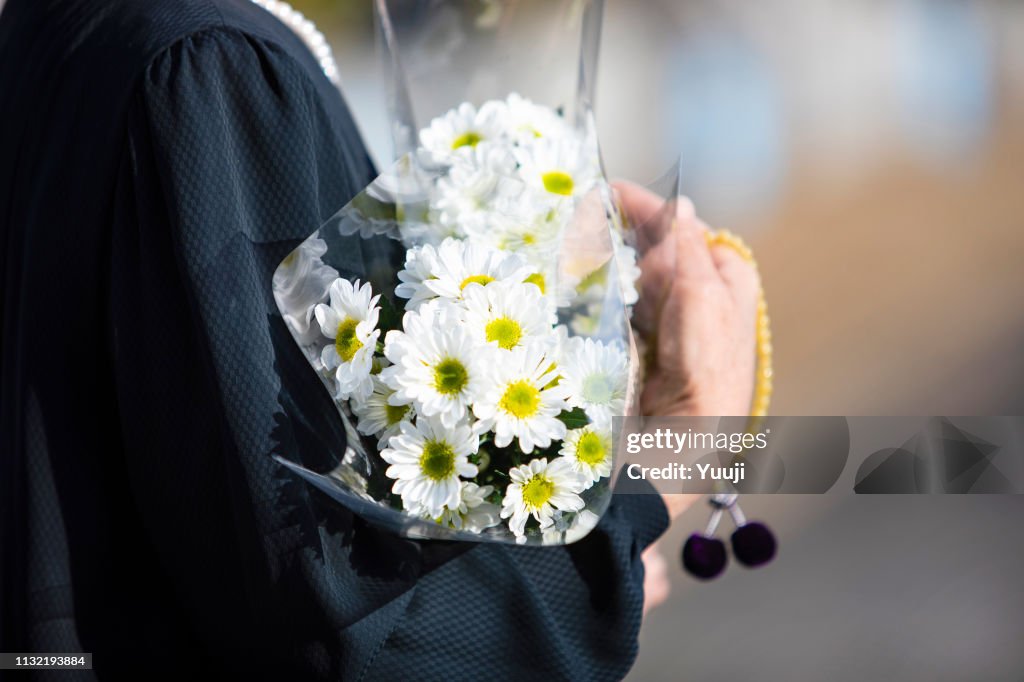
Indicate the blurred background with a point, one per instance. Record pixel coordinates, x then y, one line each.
872 153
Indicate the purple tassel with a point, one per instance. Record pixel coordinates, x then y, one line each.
704 557
753 544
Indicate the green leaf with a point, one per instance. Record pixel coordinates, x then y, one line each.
575 418
390 316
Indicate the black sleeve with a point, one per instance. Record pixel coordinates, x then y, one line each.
235 154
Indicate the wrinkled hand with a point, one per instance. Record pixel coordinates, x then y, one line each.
698 310
698 313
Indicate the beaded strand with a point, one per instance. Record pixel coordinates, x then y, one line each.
763 373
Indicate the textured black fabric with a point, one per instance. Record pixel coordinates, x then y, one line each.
158 158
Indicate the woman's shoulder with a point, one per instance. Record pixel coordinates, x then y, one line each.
122 37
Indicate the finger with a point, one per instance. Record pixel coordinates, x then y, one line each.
693 257
678 262
641 204
739 274
650 214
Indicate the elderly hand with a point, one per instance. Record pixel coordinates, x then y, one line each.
698 311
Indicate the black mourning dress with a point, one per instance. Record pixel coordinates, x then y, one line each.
158 158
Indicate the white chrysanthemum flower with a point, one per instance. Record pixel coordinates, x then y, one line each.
351 321
459 264
520 401
473 513
589 450
538 489
438 366
425 228
560 167
521 219
471 184
594 376
378 417
300 282
507 315
463 126
532 231
527 121
420 264
427 459
559 288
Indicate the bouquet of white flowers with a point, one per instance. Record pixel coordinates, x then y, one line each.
468 313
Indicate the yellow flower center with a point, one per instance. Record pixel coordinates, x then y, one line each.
450 377
521 399
537 279
482 280
467 138
437 460
558 182
505 331
345 341
598 389
590 449
537 491
395 413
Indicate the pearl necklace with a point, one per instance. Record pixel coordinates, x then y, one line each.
306 30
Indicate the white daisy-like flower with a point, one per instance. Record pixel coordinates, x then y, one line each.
471 183
589 450
460 264
507 315
300 282
538 489
427 460
520 400
351 321
464 126
559 288
473 513
424 227
594 375
437 364
521 219
420 264
527 121
531 229
377 417
562 168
